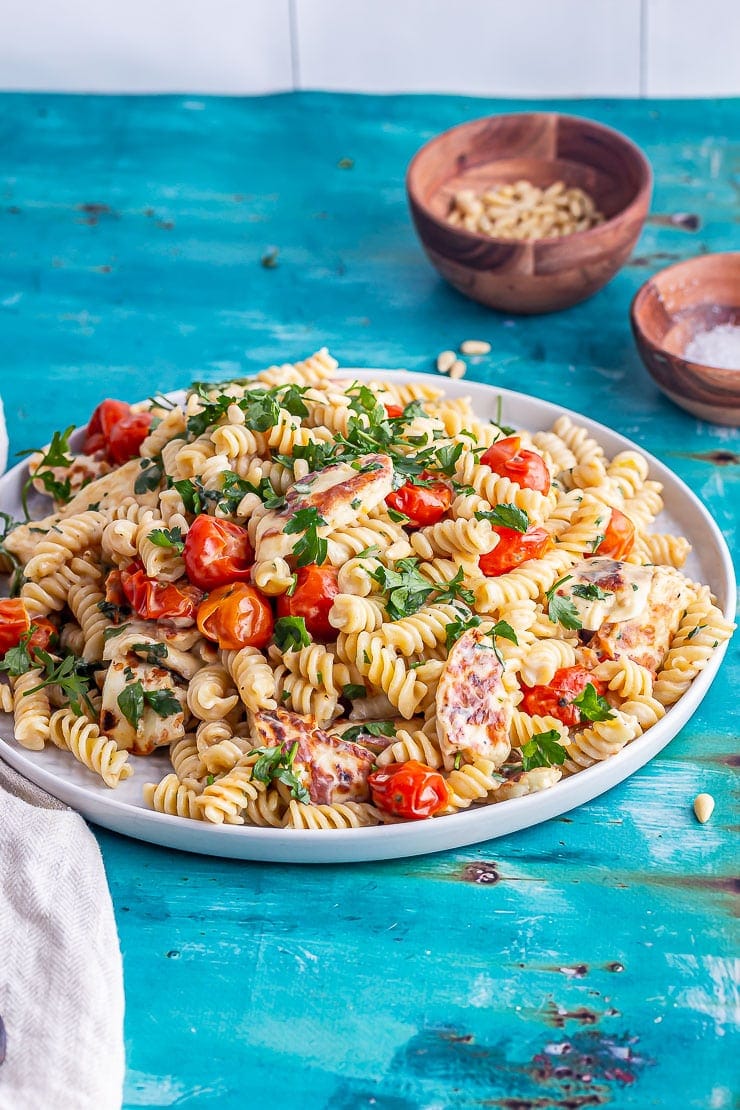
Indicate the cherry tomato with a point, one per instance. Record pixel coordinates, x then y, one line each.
43 634
236 616
514 548
526 468
102 421
217 552
409 789
619 538
393 411
422 504
313 597
127 436
14 623
556 699
154 600
114 594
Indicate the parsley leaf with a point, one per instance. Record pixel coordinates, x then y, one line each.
168 537
17 660
544 749
506 632
506 516
370 728
56 454
561 610
291 634
71 674
592 706
591 592
152 653
454 590
189 494
353 690
311 548
455 629
407 589
276 765
134 698
150 477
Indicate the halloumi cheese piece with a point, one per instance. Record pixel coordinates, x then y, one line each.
153 731
647 637
140 635
619 591
332 770
339 493
474 709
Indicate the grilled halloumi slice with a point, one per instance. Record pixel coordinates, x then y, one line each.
153 731
339 493
331 769
646 637
146 639
633 610
474 709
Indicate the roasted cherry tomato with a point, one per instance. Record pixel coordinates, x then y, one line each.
236 616
619 538
514 548
393 411
114 594
154 600
127 436
43 634
409 789
422 504
14 623
556 699
102 422
217 552
526 468
313 597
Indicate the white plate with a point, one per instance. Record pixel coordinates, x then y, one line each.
123 811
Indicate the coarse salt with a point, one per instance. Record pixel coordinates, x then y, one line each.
718 347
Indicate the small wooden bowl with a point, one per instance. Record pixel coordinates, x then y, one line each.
539 275
667 313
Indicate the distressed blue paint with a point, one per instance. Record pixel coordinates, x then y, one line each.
398 983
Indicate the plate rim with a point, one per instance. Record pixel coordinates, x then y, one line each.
356 845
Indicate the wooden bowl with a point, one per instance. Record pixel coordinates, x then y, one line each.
539 275
667 313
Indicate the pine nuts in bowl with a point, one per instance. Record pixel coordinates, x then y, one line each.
554 172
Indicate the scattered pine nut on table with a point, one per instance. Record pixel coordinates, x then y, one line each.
475 347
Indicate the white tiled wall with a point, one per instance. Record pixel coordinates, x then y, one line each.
530 48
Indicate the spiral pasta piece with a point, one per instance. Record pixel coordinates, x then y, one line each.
211 695
472 782
253 677
223 801
32 711
83 739
350 815
173 797
600 741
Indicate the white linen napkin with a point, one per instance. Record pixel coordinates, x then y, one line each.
61 981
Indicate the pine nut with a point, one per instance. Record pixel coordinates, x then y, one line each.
475 347
703 807
458 368
523 211
445 361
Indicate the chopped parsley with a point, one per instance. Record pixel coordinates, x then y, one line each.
133 700
56 454
592 706
291 634
455 629
71 674
544 749
150 476
353 690
370 728
506 516
276 765
561 610
152 653
311 547
591 592
168 537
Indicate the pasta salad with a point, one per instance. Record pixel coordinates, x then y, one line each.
339 603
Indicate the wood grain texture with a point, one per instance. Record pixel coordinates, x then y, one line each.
599 945
541 275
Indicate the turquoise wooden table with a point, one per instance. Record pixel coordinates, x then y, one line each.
587 962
